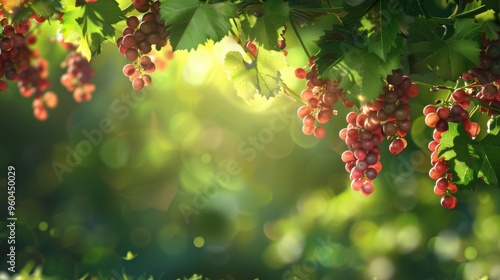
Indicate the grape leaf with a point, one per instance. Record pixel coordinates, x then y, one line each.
386 28
259 76
265 29
42 8
304 12
356 9
449 58
332 47
472 163
365 77
193 22
90 25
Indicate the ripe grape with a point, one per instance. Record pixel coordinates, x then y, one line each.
319 131
449 201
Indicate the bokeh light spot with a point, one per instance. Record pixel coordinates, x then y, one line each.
199 241
381 268
447 245
114 153
206 158
470 253
43 226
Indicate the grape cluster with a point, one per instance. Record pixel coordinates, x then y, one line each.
362 160
386 117
77 78
485 78
438 118
138 38
15 56
319 97
21 64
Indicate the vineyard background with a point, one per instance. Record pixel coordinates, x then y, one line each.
188 177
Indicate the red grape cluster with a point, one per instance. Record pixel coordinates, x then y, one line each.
15 56
21 64
438 118
386 117
486 78
319 97
77 78
138 38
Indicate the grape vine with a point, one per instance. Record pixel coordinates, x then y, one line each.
375 57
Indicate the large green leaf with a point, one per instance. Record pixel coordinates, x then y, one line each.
90 24
265 29
193 22
449 58
471 162
259 76
364 78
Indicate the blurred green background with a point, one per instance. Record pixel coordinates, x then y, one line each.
193 179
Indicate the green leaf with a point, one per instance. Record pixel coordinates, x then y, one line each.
259 76
472 163
488 25
193 22
43 8
305 12
90 25
332 47
386 28
355 12
449 58
365 76
265 29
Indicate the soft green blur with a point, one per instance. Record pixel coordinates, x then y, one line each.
193 179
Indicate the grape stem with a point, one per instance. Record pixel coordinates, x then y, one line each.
296 31
288 90
424 85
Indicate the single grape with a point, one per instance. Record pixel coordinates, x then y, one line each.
396 146
300 73
138 83
303 111
319 131
132 22
308 130
371 173
449 201
128 70
367 188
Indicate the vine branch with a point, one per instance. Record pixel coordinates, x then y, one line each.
296 31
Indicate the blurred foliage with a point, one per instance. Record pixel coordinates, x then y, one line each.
193 179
